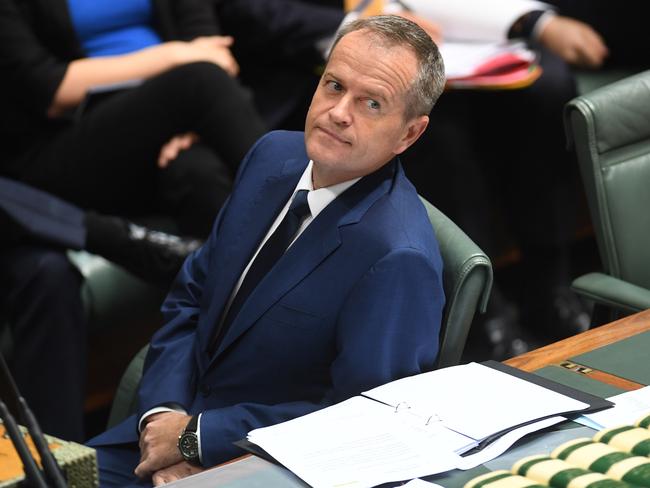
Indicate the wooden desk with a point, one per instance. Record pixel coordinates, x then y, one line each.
558 352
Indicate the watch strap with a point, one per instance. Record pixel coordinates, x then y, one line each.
193 424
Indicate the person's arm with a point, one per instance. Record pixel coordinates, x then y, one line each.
574 41
388 328
170 363
81 74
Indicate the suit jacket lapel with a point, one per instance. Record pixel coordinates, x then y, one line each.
243 231
318 241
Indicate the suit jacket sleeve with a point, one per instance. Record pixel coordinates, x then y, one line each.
169 370
387 329
168 376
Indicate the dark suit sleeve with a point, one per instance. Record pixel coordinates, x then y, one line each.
169 366
30 73
280 29
387 329
170 363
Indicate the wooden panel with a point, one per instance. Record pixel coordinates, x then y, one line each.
559 352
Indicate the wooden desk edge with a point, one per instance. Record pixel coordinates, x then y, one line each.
581 343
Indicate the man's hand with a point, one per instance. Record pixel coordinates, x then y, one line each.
159 442
175 145
174 472
574 41
431 28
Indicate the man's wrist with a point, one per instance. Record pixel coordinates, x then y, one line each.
189 443
528 25
165 407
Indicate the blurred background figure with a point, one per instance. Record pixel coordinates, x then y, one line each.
622 28
163 134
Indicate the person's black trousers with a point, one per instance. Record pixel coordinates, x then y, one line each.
41 303
107 161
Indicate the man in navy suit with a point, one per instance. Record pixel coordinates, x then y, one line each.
355 301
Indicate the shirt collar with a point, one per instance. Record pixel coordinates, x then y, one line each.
321 198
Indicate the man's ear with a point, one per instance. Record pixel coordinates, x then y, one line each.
412 132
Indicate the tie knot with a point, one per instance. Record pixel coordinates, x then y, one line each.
299 205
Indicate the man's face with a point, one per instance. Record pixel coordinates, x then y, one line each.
356 121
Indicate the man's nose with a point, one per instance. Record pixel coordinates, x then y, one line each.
341 112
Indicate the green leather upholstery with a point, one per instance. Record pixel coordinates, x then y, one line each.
113 297
467 280
125 401
610 130
588 80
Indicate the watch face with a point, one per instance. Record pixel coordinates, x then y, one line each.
189 445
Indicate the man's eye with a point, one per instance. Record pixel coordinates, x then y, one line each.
334 86
373 104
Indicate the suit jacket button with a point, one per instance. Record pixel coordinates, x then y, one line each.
206 390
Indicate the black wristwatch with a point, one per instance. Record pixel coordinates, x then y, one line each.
188 442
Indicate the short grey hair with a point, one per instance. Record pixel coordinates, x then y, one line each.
398 31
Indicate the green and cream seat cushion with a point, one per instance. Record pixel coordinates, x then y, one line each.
644 422
557 473
635 440
501 479
602 458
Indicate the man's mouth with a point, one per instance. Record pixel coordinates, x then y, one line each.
334 136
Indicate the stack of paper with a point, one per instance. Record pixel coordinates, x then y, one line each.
413 427
489 65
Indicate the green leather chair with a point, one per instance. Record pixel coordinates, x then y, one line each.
610 130
112 298
467 280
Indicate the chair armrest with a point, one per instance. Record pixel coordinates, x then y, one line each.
124 403
612 292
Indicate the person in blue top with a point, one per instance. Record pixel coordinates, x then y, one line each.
171 144
168 145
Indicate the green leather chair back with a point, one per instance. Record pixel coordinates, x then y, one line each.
610 129
126 398
467 280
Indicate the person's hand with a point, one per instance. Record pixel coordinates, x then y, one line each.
574 41
214 49
174 472
159 442
175 145
431 28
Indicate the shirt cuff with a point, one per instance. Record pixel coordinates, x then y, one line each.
198 434
158 410
542 22
530 25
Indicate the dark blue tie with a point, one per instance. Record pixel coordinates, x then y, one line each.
269 254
